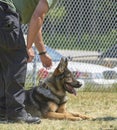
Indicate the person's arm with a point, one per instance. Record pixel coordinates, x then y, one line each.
34 32
45 58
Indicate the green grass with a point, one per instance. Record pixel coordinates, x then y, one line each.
101 105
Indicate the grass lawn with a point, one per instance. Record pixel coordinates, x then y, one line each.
101 105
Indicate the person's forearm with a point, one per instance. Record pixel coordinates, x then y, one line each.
39 42
34 26
36 22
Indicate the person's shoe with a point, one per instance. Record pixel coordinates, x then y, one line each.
26 119
2 118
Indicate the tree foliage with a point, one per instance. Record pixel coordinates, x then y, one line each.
88 21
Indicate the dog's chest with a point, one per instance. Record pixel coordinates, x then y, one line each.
63 100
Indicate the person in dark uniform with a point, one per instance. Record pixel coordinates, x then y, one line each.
14 53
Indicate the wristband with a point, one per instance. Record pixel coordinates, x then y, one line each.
43 53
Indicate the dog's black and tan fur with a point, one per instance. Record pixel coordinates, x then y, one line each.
49 99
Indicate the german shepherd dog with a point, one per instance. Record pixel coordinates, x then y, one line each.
48 100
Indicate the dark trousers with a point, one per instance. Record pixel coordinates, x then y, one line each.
13 63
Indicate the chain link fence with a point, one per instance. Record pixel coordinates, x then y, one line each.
85 32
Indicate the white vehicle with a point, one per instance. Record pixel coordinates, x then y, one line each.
84 72
95 74
115 69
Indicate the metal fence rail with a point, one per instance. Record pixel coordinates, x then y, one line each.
84 31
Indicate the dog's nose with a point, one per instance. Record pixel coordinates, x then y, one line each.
79 84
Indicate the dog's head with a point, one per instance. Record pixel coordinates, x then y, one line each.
65 77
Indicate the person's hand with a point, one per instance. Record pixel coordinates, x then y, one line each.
46 60
30 54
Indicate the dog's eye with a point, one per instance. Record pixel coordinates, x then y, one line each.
68 76
68 79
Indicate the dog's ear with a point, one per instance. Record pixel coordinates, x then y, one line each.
61 66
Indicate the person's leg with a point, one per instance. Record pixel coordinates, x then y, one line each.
10 40
13 63
15 79
2 97
2 82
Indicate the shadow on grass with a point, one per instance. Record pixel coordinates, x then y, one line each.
105 119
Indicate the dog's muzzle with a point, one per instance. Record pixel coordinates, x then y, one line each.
69 87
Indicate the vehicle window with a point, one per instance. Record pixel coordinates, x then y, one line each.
110 75
97 76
